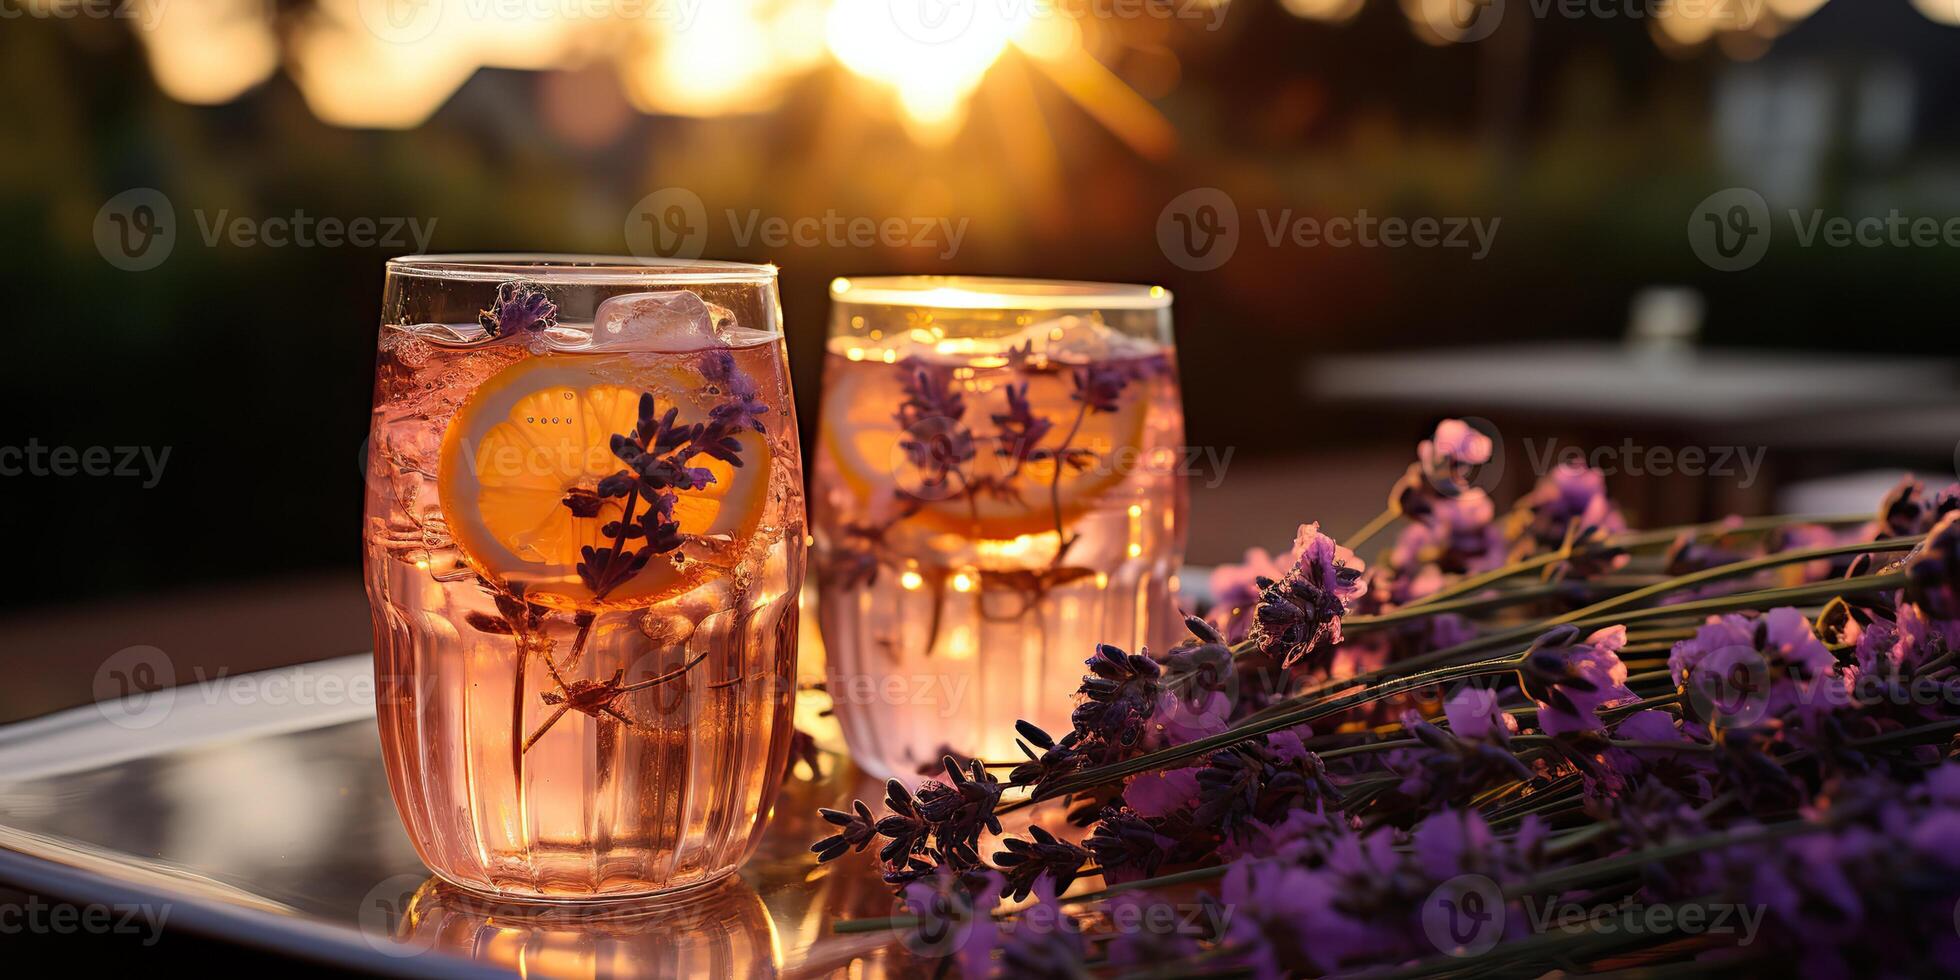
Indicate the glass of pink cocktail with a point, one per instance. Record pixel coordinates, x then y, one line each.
998 490
584 543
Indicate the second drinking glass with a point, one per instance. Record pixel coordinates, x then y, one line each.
998 490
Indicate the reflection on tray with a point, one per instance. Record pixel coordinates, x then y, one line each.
723 930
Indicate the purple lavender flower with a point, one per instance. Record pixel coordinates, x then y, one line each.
1571 680
1302 611
1129 846
1137 950
1121 694
520 308
1752 667
1473 713
1020 428
742 406
1045 944
1292 921
1303 836
1798 537
1099 387
1617 771
1908 508
1160 793
1447 767
935 440
1459 537
1933 570
1569 504
1200 686
1235 591
956 914
1903 647
1452 842
1445 469
859 831
1043 857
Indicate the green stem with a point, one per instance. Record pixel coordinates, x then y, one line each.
1572 876
1250 730
1634 540
1372 528
1731 570
1741 600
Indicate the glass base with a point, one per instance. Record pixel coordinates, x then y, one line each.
644 899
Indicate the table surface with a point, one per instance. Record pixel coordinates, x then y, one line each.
268 822
1615 380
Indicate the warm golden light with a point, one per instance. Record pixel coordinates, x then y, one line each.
1939 11
391 64
931 55
1331 11
210 52
350 76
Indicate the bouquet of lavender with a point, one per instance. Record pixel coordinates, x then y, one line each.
1505 747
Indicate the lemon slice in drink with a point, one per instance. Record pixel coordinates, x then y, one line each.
540 430
860 435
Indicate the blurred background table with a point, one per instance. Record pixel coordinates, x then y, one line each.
1801 416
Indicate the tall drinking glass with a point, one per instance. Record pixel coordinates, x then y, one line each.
998 490
584 540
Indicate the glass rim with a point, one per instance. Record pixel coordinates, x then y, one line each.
552 268
997 293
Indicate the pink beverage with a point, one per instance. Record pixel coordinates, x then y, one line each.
584 543
999 491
